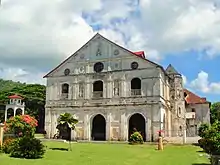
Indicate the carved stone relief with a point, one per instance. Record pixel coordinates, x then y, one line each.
99 52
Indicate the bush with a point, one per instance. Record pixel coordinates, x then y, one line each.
27 147
203 129
210 141
23 125
136 138
7 145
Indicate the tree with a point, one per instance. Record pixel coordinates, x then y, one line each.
215 112
34 97
69 122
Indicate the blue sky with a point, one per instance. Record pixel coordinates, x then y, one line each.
36 36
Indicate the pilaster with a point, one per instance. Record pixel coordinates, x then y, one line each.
108 127
123 127
86 127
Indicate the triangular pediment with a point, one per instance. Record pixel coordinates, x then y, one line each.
99 48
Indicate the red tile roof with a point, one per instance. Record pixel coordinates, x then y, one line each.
192 98
140 54
15 97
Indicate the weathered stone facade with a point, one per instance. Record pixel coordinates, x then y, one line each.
104 79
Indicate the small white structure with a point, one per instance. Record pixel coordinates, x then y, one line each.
14 107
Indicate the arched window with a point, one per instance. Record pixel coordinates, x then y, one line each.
135 86
98 89
65 90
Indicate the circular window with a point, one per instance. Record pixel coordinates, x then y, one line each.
116 52
134 65
98 67
66 72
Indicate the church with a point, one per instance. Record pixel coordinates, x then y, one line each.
113 90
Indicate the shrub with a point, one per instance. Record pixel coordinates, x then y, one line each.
23 125
27 147
210 141
203 129
7 145
136 138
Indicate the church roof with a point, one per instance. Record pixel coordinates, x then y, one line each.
15 97
171 70
192 98
138 54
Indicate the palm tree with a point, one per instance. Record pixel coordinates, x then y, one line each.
68 120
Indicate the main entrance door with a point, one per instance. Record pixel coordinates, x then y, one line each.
137 123
98 128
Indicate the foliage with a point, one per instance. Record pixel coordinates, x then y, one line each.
23 125
210 141
202 129
34 96
7 145
136 138
27 147
69 119
215 112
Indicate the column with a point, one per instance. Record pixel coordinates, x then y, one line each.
74 91
169 122
123 87
48 122
86 127
87 88
123 127
14 111
6 114
108 127
110 88
53 123
70 94
1 134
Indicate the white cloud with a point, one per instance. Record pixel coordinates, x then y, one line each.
18 74
184 80
201 83
38 34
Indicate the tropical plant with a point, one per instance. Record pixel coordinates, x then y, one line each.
67 122
67 118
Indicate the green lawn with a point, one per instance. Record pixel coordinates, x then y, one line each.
113 154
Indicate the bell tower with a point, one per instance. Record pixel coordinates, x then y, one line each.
177 101
14 107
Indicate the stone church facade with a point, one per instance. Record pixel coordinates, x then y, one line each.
113 91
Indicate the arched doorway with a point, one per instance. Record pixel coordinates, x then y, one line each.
98 89
137 121
98 128
10 113
18 111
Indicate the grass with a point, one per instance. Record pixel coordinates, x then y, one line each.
113 154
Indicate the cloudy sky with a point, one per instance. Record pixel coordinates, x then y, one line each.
36 35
